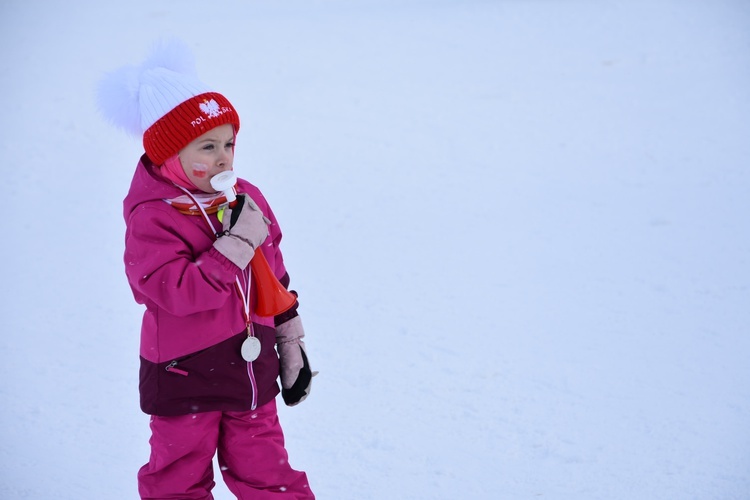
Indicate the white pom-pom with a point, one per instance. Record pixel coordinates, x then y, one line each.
118 93
117 98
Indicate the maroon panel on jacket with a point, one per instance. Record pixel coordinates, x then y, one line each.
214 379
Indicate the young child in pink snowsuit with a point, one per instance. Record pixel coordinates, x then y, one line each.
209 362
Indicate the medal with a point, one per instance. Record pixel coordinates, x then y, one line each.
250 349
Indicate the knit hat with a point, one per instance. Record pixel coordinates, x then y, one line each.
163 100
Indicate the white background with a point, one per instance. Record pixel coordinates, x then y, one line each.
519 230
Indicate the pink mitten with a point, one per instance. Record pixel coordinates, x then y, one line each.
245 228
296 377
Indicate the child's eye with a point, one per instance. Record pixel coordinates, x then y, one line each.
229 145
208 147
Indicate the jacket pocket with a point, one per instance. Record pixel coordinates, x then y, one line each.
208 380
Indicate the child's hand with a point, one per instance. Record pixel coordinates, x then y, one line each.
246 221
245 229
296 377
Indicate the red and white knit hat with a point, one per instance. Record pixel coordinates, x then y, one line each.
163 100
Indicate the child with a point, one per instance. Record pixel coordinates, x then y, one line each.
208 363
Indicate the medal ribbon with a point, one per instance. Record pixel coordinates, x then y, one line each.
244 294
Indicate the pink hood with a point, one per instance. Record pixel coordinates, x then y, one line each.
187 286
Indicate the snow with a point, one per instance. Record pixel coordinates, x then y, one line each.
519 230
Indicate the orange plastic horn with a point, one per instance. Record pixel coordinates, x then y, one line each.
272 297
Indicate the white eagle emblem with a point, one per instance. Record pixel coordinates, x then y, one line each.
210 108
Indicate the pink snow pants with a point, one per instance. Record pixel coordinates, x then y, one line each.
251 453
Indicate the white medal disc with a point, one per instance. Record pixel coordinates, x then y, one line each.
250 349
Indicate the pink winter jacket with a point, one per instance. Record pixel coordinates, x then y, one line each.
194 315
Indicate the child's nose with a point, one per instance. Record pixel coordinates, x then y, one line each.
224 161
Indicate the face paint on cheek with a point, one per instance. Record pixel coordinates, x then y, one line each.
200 171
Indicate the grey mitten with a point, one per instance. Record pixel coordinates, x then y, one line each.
296 377
245 229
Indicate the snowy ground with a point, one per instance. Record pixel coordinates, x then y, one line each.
519 230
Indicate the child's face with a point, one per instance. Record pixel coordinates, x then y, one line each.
208 155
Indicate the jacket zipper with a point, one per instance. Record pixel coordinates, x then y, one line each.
172 368
251 374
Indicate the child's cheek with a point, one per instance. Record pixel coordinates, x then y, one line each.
200 171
